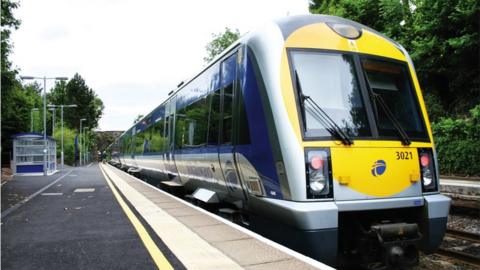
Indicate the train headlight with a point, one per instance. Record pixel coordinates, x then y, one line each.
317 165
427 170
345 30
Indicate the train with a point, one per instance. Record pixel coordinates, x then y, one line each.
314 130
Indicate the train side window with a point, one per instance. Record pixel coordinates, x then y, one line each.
229 70
227 120
180 126
139 141
196 123
156 140
214 117
165 133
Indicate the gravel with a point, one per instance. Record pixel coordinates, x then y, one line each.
464 223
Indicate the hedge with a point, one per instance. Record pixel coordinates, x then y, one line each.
458 144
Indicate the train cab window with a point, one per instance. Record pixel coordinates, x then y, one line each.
229 70
328 81
390 81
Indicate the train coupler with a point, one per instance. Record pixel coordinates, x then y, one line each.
397 243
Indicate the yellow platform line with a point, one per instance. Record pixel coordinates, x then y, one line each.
157 256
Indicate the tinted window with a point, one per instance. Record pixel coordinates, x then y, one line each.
154 136
229 69
214 117
192 124
330 81
391 81
139 143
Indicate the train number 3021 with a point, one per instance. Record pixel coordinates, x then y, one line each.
404 155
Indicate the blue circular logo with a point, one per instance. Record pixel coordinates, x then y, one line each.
379 167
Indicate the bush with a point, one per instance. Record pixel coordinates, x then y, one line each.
458 144
68 144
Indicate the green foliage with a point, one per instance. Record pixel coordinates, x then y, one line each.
457 143
68 144
434 106
220 42
444 47
7 22
76 91
104 139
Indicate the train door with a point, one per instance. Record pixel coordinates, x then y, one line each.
226 149
168 159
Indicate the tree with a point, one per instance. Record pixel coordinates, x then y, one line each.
15 115
104 138
138 118
445 49
68 144
76 91
8 22
220 42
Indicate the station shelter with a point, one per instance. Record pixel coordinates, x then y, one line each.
28 154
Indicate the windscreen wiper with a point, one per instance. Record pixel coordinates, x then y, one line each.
403 135
321 115
377 98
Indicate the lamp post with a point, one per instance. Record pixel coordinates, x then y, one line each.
84 149
31 114
61 120
80 143
44 113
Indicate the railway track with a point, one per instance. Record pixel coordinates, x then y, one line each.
472 237
461 255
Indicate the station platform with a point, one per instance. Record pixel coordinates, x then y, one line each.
460 187
99 217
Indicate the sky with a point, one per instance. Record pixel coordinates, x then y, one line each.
130 52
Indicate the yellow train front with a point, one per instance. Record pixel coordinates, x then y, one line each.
351 141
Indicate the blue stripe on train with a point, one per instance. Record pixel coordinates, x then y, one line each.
259 153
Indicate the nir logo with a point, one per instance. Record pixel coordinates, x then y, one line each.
379 167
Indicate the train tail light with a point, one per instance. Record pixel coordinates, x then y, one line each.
427 170
318 174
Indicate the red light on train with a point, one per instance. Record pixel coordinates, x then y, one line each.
425 160
316 162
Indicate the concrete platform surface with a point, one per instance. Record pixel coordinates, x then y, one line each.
460 187
200 239
62 228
